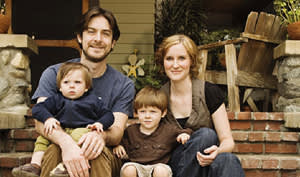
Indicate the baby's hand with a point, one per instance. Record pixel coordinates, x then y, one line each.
183 138
50 124
96 126
120 152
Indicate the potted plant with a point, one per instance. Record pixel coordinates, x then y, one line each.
289 11
4 19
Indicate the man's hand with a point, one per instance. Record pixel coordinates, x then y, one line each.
74 160
92 144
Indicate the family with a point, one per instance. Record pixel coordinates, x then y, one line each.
83 106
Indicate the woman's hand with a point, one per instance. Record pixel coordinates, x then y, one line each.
92 144
120 152
205 160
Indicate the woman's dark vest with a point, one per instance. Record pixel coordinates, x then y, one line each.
200 115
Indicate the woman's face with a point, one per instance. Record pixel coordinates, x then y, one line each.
177 63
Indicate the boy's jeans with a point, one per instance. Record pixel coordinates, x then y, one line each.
184 162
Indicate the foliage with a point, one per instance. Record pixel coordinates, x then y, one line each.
180 16
215 36
152 76
2 6
288 10
219 35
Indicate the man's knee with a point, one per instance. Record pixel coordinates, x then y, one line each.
53 151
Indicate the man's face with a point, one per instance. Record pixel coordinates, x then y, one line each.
96 40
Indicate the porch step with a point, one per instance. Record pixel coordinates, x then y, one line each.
10 160
271 165
254 165
264 144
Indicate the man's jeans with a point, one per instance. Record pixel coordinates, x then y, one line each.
184 162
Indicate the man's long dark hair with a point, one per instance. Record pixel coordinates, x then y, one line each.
98 11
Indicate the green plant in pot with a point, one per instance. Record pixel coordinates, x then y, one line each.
289 11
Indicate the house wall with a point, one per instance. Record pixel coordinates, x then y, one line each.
136 22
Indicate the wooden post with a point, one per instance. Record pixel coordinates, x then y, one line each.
233 90
203 60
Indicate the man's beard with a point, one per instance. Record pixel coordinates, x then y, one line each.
94 59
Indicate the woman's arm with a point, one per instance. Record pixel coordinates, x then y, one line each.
221 123
223 130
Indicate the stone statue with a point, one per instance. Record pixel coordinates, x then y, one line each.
15 79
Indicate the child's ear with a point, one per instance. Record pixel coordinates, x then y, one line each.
164 113
86 90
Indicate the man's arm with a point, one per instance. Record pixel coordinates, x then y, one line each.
93 142
71 153
115 133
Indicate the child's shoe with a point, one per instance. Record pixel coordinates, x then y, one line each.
59 171
27 170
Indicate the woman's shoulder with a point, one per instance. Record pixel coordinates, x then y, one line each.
214 96
212 89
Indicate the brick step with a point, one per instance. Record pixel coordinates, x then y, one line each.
257 121
10 160
253 165
265 142
271 165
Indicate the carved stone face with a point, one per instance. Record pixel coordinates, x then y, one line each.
15 78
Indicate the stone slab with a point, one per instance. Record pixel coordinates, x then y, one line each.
18 41
287 48
11 120
292 119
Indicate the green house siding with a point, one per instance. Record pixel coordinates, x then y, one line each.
136 23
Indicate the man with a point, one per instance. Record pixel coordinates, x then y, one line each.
97 34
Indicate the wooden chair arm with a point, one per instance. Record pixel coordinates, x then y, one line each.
222 43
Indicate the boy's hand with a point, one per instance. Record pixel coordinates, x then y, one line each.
120 152
50 124
183 138
96 126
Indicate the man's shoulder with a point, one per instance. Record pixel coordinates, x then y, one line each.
117 74
119 78
56 66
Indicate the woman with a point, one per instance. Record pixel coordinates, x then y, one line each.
198 105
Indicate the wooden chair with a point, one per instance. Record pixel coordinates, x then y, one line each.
254 65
